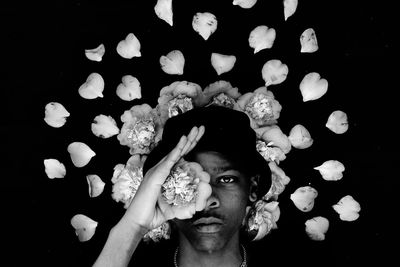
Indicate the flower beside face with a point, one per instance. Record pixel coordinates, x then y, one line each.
161 232
126 179
263 218
270 152
141 130
179 105
220 93
279 181
261 107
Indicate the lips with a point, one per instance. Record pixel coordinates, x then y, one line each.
208 225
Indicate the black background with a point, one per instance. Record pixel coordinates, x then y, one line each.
44 62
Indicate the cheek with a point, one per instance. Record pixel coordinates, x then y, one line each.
234 205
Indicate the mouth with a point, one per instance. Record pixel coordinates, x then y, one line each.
208 225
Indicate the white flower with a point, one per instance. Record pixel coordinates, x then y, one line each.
262 218
317 227
222 63
161 232
80 153
347 208
220 93
127 178
96 185
93 87
163 10
308 41
173 62
270 152
279 181
205 24
54 168
55 114
300 137
273 134
274 72
337 122
129 47
95 54
104 126
261 38
290 7
303 198
129 89
84 227
312 87
331 170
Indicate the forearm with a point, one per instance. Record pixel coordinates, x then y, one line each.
120 245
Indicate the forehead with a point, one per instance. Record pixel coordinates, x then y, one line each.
214 162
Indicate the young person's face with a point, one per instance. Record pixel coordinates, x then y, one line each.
220 222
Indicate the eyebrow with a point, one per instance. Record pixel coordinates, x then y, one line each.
224 168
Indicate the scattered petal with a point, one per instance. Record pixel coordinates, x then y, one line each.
274 72
130 47
104 126
54 168
55 114
163 10
316 228
244 3
300 137
347 208
205 24
313 87
84 227
173 62
308 41
261 38
222 63
80 153
96 185
337 122
129 89
331 170
303 198
95 54
93 87
290 7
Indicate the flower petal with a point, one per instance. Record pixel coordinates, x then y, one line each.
337 122
205 24
261 38
95 54
222 63
279 182
104 126
347 208
244 3
80 153
303 198
96 185
274 72
290 7
129 47
84 227
317 227
331 170
55 114
308 41
54 168
275 135
163 10
129 89
93 87
313 87
300 137
173 62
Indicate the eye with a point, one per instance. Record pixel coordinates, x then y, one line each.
227 179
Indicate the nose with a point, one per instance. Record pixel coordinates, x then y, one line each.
212 201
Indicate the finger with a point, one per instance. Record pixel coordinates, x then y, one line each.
197 138
191 137
175 154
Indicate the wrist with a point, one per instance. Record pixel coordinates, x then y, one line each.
131 228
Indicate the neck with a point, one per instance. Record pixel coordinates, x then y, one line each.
228 255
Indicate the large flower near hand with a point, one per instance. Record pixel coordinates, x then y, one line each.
142 129
127 178
261 107
186 189
177 98
220 93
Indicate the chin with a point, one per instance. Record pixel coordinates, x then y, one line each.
208 243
